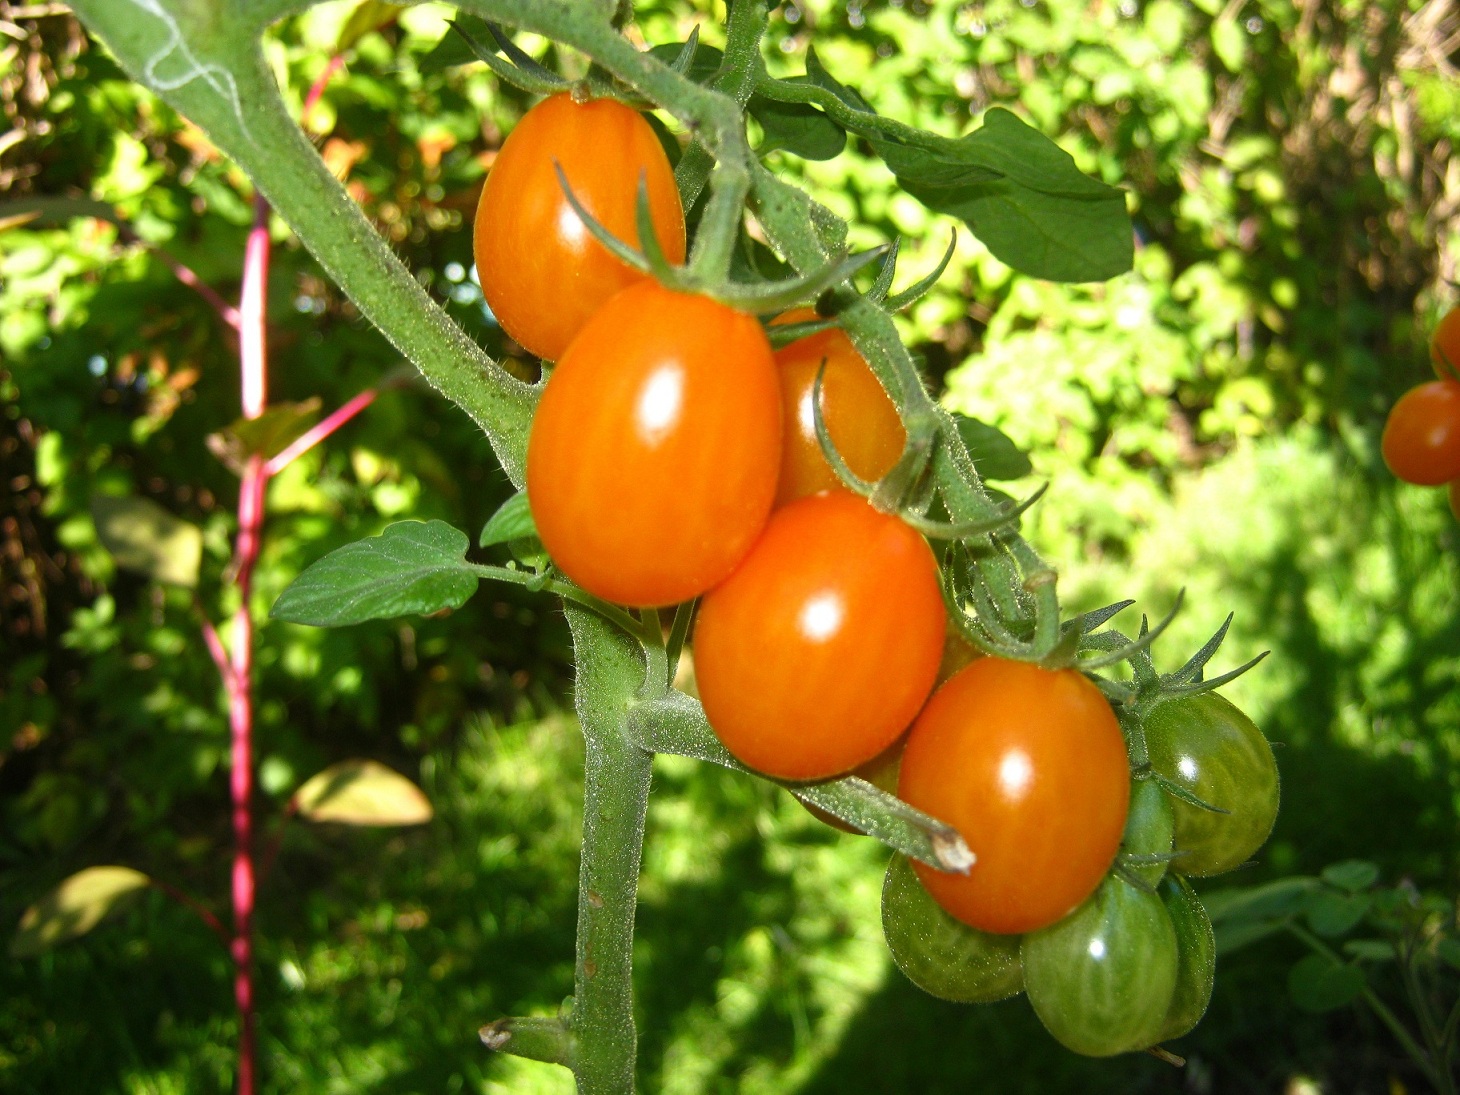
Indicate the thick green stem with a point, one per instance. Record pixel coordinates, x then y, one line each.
615 801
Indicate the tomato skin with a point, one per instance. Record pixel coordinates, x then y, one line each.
1196 961
651 465
1421 442
1445 345
861 419
817 652
1030 766
1102 979
1209 747
940 954
542 273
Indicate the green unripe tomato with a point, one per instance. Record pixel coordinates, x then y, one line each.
1101 980
940 954
1196 963
1148 829
1211 749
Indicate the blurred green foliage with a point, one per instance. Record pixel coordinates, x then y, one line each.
1208 421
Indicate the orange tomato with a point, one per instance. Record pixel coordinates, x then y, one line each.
861 419
1445 345
816 653
1421 442
543 274
1029 764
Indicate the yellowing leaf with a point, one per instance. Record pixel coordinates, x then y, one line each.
74 907
362 792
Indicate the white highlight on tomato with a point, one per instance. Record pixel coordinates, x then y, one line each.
659 403
821 618
1015 772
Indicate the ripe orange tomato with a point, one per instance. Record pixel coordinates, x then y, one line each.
862 422
815 654
1029 764
652 461
542 273
1421 442
1445 345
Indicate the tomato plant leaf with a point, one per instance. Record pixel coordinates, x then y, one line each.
512 521
701 67
1352 875
797 128
368 15
994 454
142 536
1318 984
362 792
1233 937
1449 952
74 907
412 567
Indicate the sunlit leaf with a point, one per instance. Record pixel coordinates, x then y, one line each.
413 567
994 454
74 907
267 435
142 536
362 792
368 15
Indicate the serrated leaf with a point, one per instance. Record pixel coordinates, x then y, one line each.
368 15
512 521
1319 984
142 536
994 454
1352 875
74 907
1330 914
796 128
411 568
267 435
362 792
1285 897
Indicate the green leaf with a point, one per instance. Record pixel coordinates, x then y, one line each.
797 128
412 567
1331 914
1241 933
368 15
142 536
512 521
1370 950
705 64
1022 195
994 455
1352 875
453 49
362 792
1319 984
1285 897
51 211
267 435
74 907
1229 42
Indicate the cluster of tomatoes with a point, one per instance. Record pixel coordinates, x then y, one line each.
1421 442
674 455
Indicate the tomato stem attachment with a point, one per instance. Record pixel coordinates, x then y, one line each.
1131 649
